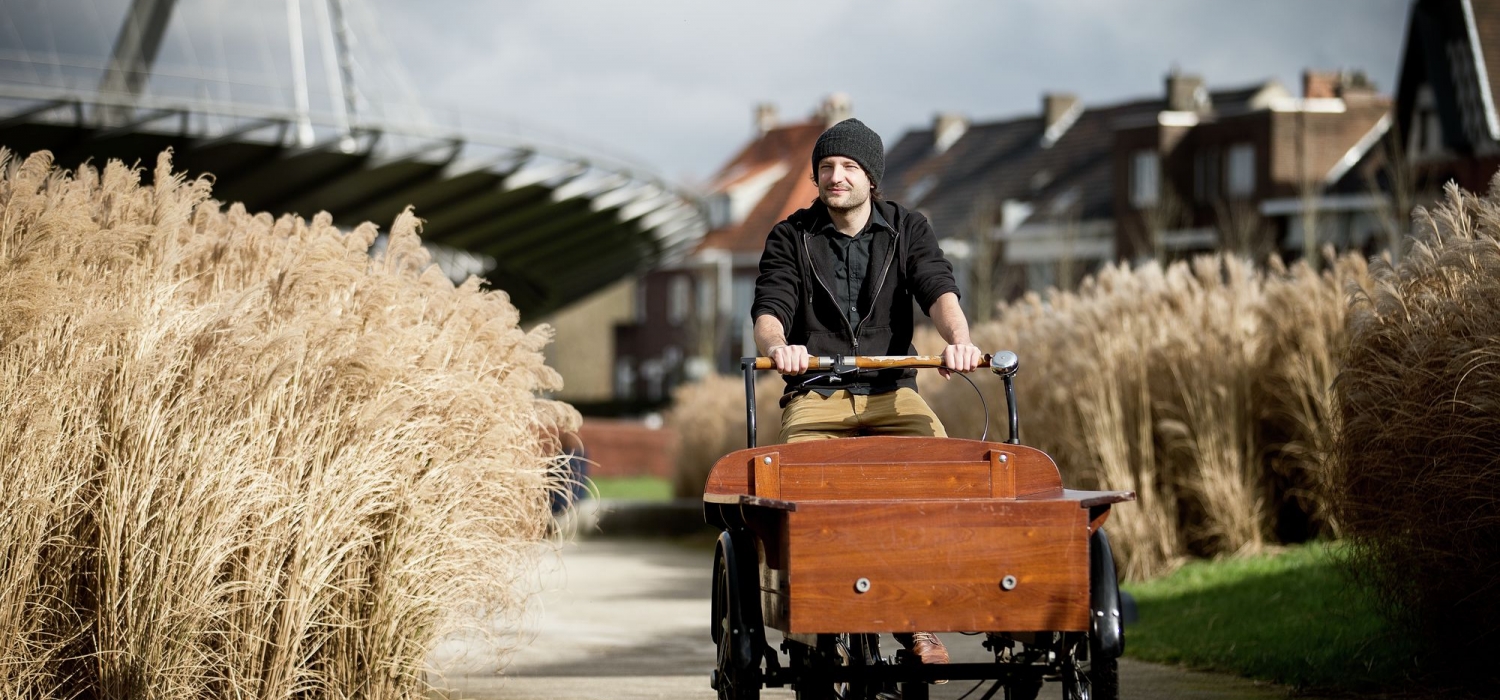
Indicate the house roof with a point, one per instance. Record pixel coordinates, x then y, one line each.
1486 23
1453 46
1006 160
788 147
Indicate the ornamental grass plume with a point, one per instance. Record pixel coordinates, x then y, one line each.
1305 319
1418 455
1168 382
240 457
709 419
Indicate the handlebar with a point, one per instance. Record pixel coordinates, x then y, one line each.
1004 363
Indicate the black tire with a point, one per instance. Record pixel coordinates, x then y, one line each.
1091 679
733 678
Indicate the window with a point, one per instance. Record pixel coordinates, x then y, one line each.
1239 181
679 299
705 302
1145 179
624 378
920 188
1426 127
1206 174
719 211
654 374
742 296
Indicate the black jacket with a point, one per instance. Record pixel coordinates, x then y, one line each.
795 286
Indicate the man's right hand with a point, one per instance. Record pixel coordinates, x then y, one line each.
790 359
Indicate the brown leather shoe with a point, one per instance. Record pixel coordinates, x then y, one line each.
929 648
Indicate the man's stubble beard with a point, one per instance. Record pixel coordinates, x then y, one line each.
855 205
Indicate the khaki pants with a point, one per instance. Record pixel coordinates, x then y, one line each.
813 416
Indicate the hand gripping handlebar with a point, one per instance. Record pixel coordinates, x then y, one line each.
1003 363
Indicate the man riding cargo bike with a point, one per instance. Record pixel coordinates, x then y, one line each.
868 487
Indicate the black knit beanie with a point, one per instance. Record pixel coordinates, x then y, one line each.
852 139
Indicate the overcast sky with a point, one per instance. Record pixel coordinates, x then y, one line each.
673 83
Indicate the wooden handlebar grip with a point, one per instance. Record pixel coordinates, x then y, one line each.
819 362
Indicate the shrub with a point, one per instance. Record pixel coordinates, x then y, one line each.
238 456
1186 384
709 418
1417 455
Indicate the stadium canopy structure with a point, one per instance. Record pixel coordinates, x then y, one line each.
541 217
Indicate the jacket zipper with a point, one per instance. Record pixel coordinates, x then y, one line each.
874 294
812 268
884 270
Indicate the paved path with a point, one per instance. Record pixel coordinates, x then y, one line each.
622 620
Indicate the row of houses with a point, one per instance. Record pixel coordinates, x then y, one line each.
1040 200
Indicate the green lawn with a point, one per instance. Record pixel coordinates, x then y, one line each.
636 488
1290 618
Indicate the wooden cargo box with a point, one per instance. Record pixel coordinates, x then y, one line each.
902 534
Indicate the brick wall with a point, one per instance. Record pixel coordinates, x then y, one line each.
628 448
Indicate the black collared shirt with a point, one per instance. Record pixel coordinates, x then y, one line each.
853 256
852 268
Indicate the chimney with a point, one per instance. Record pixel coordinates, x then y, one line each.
1348 85
1055 106
947 127
835 108
1186 93
1356 86
765 117
1320 84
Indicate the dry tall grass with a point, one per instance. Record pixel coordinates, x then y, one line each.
1419 455
1306 316
1194 385
241 458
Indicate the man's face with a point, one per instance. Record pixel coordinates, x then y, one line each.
842 184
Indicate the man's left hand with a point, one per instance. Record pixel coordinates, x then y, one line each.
963 357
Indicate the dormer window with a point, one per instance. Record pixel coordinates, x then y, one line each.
920 188
730 206
1239 180
718 210
1426 139
1145 178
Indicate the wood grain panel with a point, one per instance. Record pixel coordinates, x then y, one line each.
1002 477
770 530
1032 471
773 609
843 481
767 474
937 566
